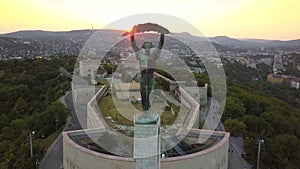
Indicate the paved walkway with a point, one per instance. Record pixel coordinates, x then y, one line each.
53 159
235 160
236 150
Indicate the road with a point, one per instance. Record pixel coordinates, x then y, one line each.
54 157
235 155
212 115
235 160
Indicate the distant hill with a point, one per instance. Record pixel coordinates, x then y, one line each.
254 40
6 42
234 43
11 43
186 35
256 43
223 42
32 34
40 34
83 35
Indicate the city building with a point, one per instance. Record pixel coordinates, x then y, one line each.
88 69
274 79
100 72
295 83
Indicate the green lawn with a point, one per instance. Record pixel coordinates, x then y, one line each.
108 108
103 82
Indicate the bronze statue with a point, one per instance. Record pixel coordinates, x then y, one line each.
147 59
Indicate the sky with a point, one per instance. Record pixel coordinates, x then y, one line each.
260 19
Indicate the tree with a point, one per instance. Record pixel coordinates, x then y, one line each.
20 106
235 127
285 149
252 104
24 106
250 146
50 95
55 114
234 108
19 124
279 122
4 121
7 132
257 127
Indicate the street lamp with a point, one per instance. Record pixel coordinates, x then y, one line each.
260 141
30 140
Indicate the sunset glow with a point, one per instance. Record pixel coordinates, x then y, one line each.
265 19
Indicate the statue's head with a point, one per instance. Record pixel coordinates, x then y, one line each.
147 45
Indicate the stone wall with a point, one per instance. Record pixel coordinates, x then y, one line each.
77 157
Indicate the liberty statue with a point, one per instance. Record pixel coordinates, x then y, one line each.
147 59
147 125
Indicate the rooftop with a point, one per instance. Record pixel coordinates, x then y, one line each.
195 142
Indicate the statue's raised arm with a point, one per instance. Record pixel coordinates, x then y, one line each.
132 40
161 41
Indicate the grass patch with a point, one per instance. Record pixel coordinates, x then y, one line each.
167 118
103 82
108 108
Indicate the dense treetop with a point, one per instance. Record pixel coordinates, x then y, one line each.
29 92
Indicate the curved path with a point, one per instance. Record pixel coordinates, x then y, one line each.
53 159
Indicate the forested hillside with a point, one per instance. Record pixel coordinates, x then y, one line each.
254 116
29 92
257 110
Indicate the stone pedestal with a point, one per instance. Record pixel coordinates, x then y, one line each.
147 141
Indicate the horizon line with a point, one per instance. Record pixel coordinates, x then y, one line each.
69 30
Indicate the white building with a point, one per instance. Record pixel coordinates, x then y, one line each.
88 68
295 83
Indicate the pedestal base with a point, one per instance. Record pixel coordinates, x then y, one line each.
147 141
